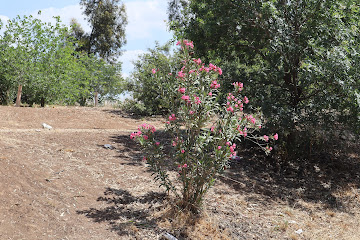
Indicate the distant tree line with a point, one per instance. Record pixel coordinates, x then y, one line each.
50 63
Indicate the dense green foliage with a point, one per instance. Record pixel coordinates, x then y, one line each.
42 58
298 58
107 19
147 91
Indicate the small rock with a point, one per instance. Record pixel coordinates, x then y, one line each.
109 146
46 126
167 236
299 231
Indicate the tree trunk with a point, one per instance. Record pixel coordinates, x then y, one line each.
18 98
42 102
96 98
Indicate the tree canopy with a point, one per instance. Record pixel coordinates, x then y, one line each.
299 58
42 59
108 20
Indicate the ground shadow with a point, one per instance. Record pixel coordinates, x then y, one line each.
129 150
316 180
125 210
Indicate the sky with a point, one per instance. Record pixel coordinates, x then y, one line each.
146 21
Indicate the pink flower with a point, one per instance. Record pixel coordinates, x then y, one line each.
266 138
182 151
157 143
144 159
228 143
219 147
219 71
185 165
246 100
276 136
239 86
185 98
181 74
269 148
169 74
145 137
214 84
230 109
172 117
146 127
178 43
153 70
197 61
188 44
210 94
135 134
197 100
181 90
212 128
191 112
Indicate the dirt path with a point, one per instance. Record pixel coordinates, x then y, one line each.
64 184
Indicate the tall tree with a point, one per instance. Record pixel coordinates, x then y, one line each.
298 58
108 20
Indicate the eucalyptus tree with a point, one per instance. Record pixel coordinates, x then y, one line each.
107 19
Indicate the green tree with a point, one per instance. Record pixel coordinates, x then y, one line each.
39 57
150 91
298 58
108 20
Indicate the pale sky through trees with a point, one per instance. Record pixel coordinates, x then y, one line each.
146 21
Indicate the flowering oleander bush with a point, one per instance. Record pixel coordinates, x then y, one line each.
202 131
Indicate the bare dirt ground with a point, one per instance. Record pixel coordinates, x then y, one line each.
63 184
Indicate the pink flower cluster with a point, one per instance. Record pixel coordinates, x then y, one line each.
266 138
135 134
185 98
188 44
181 90
232 148
181 74
172 117
183 166
246 100
242 131
233 102
251 119
214 85
143 128
215 68
239 86
197 100
276 136
210 68
197 61
146 126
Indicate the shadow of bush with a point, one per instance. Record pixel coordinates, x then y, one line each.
319 179
125 210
